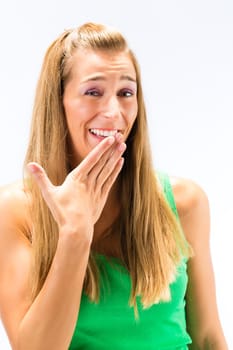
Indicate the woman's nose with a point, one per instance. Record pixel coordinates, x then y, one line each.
112 107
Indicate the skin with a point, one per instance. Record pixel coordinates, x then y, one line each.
202 316
96 164
100 94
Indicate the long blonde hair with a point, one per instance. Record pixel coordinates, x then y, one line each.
152 240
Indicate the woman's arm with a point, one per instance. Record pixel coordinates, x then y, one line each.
48 322
203 322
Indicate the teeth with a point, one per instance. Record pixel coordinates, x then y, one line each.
104 133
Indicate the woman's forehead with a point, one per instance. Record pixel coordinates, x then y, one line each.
96 63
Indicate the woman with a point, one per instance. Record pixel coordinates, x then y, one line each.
92 253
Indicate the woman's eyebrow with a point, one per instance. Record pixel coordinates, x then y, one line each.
128 77
101 77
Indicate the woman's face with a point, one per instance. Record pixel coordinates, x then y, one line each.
100 98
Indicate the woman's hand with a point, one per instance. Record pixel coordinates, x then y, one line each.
77 204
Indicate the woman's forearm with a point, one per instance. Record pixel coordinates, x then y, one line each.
50 321
216 342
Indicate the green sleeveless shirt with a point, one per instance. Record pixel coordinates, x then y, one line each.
111 325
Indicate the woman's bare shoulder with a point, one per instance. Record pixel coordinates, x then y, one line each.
188 195
15 256
14 208
193 209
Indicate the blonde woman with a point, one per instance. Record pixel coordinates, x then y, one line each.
98 250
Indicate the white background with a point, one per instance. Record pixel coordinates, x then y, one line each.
185 49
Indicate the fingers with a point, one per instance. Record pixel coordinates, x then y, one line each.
108 164
112 177
85 167
40 177
96 159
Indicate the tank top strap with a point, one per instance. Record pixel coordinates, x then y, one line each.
167 189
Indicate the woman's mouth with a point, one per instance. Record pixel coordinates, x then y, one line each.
103 132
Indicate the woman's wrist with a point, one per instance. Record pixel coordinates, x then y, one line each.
78 238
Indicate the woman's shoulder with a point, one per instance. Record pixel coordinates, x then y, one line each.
14 208
188 195
193 209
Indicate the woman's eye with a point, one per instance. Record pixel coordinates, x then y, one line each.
126 93
92 93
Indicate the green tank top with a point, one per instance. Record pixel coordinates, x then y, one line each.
111 324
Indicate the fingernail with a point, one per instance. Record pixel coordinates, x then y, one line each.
119 137
122 147
111 140
31 167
